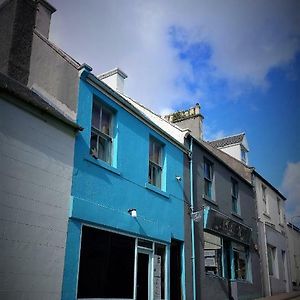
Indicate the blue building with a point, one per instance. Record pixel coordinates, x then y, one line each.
126 224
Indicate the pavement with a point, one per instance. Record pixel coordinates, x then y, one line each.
284 296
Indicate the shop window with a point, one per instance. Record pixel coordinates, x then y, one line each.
106 267
240 261
213 254
208 179
155 162
101 132
272 260
235 196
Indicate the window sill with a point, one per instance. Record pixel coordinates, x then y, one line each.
215 276
155 189
102 164
210 200
241 281
237 215
267 215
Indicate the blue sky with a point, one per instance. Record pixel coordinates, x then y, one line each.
239 59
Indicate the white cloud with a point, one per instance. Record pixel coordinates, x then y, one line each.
248 39
291 188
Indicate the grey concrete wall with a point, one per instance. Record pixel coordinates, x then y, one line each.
7 11
53 73
36 158
279 281
17 19
211 287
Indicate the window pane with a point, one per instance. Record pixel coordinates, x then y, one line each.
207 170
207 188
93 145
234 188
106 122
234 205
156 153
270 260
239 264
213 251
106 262
96 116
104 149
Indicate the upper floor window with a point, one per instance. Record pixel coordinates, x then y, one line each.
208 179
235 196
101 133
280 211
155 162
264 199
244 154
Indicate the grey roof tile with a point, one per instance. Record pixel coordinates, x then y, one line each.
230 140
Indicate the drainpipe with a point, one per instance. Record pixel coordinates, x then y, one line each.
192 221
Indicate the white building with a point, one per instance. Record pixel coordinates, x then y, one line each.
294 247
36 165
272 228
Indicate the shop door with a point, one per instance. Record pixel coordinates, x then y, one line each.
143 283
175 271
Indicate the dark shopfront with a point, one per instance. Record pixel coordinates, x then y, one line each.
227 257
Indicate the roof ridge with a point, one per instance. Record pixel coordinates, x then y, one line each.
226 137
157 115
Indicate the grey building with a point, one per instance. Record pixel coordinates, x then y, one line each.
221 236
27 54
272 227
36 165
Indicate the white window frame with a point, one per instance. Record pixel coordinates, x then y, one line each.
235 197
155 169
107 138
210 181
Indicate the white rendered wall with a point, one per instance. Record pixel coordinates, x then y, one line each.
275 234
234 151
36 159
294 247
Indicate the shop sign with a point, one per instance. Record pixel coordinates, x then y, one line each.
225 226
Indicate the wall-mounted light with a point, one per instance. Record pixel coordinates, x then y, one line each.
178 178
132 212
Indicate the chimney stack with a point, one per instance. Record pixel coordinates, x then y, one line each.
43 17
18 19
115 79
190 118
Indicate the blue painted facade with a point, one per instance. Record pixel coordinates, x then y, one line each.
103 193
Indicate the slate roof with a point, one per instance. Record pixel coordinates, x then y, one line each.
230 140
23 93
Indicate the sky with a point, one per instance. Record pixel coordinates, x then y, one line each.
239 59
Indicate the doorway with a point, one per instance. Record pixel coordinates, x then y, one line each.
175 270
143 282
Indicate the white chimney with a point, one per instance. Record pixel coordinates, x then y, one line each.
115 79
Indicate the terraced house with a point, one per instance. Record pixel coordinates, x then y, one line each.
125 234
